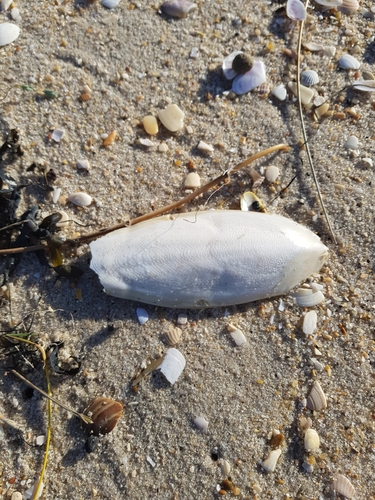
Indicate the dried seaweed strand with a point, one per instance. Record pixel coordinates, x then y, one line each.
305 141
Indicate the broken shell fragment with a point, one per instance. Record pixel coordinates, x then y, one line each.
347 61
201 423
307 298
83 164
364 85
203 146
105 413
172 365
249 202
279 92
316 400
225 467
242 63
272 173
80 199
110 4
311 440
295 10
57 134
150 125
269 464
192 181
142 315
177 8
349 6
352 142
238 337
250 80
9 32
343 486
306 93
309 323
329 3
172 117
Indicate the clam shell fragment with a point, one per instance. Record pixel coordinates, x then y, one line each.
80 199
343 486
173 335
316 400
177 8
309 323
279 92
172 365
311 440
364 85
347 61
250 80
269 464
349 6
9 32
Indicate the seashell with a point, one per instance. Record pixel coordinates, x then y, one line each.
329 3
110 4
256 178
225 467
368 162
203 146
84 97
321 110
192 181
177 8
5 4
311 440
279 92
56 195
172 117
343 486
309 77
250 80
367 75
364 85
295 10
269 464
272 173
264 89
316 400
313 47
170 261
306 93
330 50
83 164
142 315
163 147
64 220
172 365
308 299
201 423
349 6
9 32
146 142
249 202
150 125
80 199
110 139
237 335
105 414
228 72
309 323
319 100
309 468
57 134
173 335
15 14
347 61
352 142
242 63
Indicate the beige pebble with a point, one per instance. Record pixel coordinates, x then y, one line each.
172 117
110 139
163 147
80 199
272 173
311 440
192 181
150 125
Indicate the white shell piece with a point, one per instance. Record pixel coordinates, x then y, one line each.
203 146
30 493
15 14
330 50
5 4
177 8
80 199
311 440
309 323
142 315
83 164
56 195
110 4
150 461
368 161
343 486
309 77
349 6
364 85
163 147
172 365
309 299
201 423
306 93
146 142
206 259
182 319
347 61
272 173
40 440
9 32
313 47
225 467
316 400
192 180
352 142
228 72
238 337
329 3
172 117
319 100
269 464
250 80
295 10
57 134
279 92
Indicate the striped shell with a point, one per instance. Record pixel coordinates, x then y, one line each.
343 486
177 8
347 61
316 400
309 77
349 6
105 414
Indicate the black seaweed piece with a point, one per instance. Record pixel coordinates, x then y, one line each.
53 355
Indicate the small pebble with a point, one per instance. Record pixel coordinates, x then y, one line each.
15 14
57 134
142 315
110 139
150 125
194 54
146 142
269 464
182 319
201 423
40 440
272 173
192 181
80 199
110 4
16 496
172 118
352 142
163 147
309 468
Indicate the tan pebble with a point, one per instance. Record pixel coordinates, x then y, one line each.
321 110
269 464
343 486
150 125
105 413
163 147
316 400
225 467
192 181
172 118
173 335
311 440
306 93
85 97
272 173
110 139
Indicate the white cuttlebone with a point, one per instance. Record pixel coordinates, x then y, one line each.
250 80
206 259
295 10
172 365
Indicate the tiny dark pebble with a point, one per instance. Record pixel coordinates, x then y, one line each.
91 444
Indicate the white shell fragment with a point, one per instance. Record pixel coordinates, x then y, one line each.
225 468
349 6
306 93
316 400
309 468
172 117
146 142
269 464
250 80
173 335
309 77
364 85
203 146
80 199
343 486
206 259
295 10
201 423
83 164
347 61
110 4
279 92
237 335
313 47
56 195
228 72
272 173
308 298
311 440
309 323
142 315
172 365
9 32
352 142
5 4
192 181
177 8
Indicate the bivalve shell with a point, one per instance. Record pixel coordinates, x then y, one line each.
173 365
9 32
295 10
343 486
311 440
347 61
269 464
5 4
250 80
367 75
177 8
279 92
105 414
316 400
313 47
349 6
173 335
80 199
308 298
225 467
364 85
110 4
309 77
272 173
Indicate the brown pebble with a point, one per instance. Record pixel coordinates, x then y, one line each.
110 139
242 63
105 413
276 440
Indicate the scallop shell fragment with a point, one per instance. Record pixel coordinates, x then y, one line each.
343 486
316 400
309 77
269 464
347 61
177 8
295 10
173 335
9 32
311 440
104 413
250 80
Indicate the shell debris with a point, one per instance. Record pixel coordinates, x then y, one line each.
250 80
142 315
343 486
272 173
309 77
228 72
173 335
316 400
177 8
352 142
311 440
309 322
307 298
192 181
306 93
201 423
172 117
105 413
110 139
347 61
225 467
110 4
203 146
80 199
348 6
9 32
237 335
269 464
57 134
279 92
295 10
249 202
173 365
